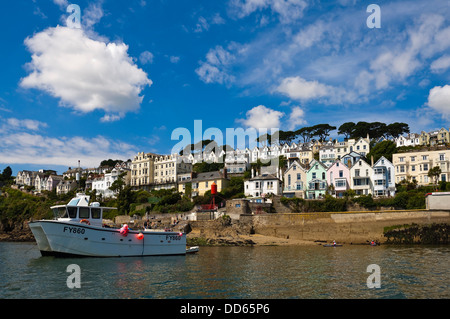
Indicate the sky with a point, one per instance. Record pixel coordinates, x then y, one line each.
134 72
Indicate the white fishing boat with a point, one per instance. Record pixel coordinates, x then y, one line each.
77 230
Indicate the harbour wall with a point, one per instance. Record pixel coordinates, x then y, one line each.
344 227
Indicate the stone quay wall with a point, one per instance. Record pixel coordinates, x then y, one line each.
344 227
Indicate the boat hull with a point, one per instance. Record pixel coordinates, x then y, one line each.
56 238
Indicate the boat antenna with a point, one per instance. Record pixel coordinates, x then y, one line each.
77 175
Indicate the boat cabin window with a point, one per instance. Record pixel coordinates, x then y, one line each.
95 213
60 212
72 211
83 212
74 202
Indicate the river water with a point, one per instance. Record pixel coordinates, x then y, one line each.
266 272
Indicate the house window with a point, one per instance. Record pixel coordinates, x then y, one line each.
442 157
299 176
425 167
314 175
340 183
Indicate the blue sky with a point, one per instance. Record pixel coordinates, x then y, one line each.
137 70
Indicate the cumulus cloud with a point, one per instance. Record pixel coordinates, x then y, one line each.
85 74
261 117
296 118
439 100
297 88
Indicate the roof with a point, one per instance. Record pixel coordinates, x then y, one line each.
264 177
207 176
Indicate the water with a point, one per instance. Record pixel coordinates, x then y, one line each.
275 272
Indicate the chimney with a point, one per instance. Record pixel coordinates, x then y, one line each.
253 173
225 173
371 160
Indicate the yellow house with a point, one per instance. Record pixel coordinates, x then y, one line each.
201 182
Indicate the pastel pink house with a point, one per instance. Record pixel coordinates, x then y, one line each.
338 178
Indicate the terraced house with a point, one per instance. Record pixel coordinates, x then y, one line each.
295 181
414 166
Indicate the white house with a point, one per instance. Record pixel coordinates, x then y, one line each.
361 177
103 183
383 178
262 185
327 155
412 139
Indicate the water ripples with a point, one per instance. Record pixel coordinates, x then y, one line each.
233 272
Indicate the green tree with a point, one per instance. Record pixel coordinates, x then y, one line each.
385 148
124 200
119 183
396 129
434 173
346 129
6 176
322 131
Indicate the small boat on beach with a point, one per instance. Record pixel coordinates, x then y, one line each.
77 230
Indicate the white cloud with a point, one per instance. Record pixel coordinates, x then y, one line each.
92 15
397 62
299 89
32 125
146 57
21 143
439 100
216 66
110 118
261 117
202 25
296 118
287 10
61 3
85 74
174 59
441 64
